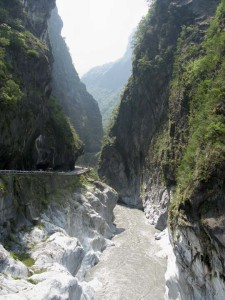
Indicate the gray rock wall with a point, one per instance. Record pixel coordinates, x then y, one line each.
51 253
192 275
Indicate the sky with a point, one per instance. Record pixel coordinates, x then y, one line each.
97 31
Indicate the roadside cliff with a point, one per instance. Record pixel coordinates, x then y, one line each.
34 131
106 83
71 93
167 142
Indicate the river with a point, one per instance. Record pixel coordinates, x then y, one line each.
132 268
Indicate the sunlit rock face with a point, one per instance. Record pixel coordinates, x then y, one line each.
69 238
156 200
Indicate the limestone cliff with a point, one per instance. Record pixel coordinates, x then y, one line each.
71 93
34 132
52 230
167 142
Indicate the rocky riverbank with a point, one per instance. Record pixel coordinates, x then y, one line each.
47 258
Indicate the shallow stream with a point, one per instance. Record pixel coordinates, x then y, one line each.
132 269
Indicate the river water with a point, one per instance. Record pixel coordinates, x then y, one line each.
132 269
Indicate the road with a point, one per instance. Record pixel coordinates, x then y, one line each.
77 171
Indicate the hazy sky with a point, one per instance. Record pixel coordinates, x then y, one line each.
97 31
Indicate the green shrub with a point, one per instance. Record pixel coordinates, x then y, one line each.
10 94
62 126
17 40
4 42
32 281
24 258
32 53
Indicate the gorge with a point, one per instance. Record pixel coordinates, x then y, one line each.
164 154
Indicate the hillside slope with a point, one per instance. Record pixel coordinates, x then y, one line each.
106 83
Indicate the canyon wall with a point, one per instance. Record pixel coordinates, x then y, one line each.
166 147
34 132
71 93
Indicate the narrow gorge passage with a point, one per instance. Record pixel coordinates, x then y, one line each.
131 269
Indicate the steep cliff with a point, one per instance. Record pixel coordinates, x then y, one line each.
144 101
196 216
106 83
71 93
34 132
135 159
167 142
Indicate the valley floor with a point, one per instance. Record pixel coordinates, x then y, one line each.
134 267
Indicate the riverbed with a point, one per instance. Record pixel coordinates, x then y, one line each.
131 269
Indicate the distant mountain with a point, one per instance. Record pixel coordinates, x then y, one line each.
106 82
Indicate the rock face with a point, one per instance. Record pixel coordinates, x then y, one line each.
38 14
71 93
195 270
106 83
27 110
134 158
167 142
143 103
46 256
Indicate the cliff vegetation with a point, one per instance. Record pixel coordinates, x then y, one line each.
165 150
28 116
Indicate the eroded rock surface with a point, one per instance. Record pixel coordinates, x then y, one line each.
70 235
